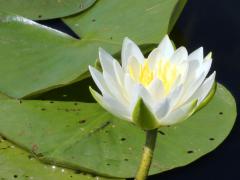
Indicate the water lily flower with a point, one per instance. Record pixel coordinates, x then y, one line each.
163 89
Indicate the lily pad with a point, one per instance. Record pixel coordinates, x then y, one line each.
37 58
44 9
15 163
82 136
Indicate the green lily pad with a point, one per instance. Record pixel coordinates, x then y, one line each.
82 136
111 21
37 58
15 163
44 9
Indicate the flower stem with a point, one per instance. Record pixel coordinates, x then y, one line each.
143 169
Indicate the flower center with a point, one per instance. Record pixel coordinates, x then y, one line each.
146 75
166 71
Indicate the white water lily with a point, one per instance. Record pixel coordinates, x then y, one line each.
163 89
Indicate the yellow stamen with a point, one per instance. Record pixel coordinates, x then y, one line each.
146 74
165 71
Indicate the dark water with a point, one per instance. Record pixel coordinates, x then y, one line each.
215 25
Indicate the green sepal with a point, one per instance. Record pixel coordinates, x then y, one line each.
208 97
97 65
96 96
143 117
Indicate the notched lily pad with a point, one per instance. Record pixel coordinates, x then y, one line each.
83 136
37 58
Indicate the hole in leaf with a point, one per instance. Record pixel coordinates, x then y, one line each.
123 139
15 176
39 16
93 20
82 121
190 152
75 104
220 113
43 109
51 102
162 133
108 164
125 159
211 139
20 101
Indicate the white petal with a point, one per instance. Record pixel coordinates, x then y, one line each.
146 96
183 67
196 79
193 86
129 49
166 48
192 69
129 86
156 89
135 98
99 80
182 76
153 58
204 89
119 74
162 108
117 108
134 67
174 96
106 61
179 55
205 67
179 114
116 90
197 55
111 66
112 105
177 82
140 92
